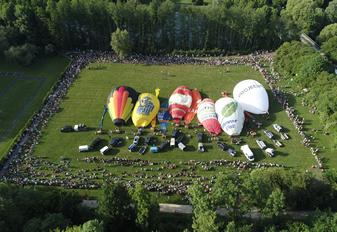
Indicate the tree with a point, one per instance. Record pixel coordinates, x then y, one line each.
53 221
120 43
24 54
305 14
3 41
330 48
204 215
147 209
205 221
275 204
116 208
331 11
327 33
230 193
92 226
311 68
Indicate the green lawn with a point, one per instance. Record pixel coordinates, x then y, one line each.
22 94
87 96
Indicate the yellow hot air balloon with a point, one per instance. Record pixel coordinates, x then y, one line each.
146 109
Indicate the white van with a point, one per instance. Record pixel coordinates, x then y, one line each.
247 152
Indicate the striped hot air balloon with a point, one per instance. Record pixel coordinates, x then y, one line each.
179 102
207 116
120 103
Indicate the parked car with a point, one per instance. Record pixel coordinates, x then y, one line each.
270 152
261 144
247 152
277 143
231 152
268 134
277 127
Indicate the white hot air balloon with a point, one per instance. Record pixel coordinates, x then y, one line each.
230 115
252 96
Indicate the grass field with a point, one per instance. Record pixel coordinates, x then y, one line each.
22 92
85 99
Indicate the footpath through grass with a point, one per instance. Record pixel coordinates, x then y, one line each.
22 90
85 99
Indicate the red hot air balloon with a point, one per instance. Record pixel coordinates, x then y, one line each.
179 103
207 116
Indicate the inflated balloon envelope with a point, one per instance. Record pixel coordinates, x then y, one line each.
252 96
230 115
207 116
145 109
179 102
120 103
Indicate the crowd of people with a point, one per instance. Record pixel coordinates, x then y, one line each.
23 168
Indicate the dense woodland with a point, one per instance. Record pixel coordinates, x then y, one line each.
134 209
28 27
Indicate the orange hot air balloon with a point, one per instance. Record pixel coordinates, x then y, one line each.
120 103
192 111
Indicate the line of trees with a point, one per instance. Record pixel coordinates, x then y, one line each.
157 26
120 208
271 192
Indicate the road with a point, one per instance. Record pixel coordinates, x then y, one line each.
187 209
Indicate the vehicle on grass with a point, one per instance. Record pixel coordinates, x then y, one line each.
92 146
104 150
172 142
164 145
75 128
222 146
142 150
154 149
270 152
201 147
83 148
261 144
182 146
66 129
231 152
284 136
277 143
247 152
116 142
268 133
95 143
277 127
133 146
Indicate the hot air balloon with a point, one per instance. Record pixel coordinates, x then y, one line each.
191 112
252 96
145 109
207 116
179 102
230 115
120 104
